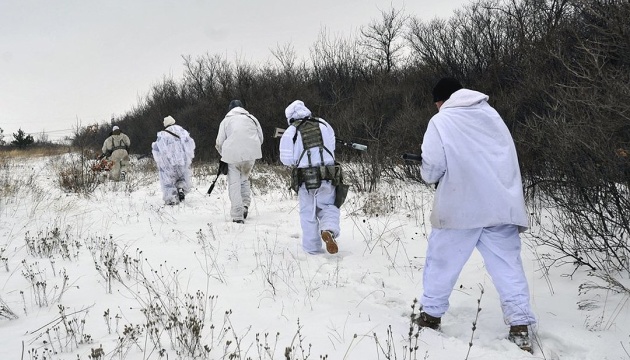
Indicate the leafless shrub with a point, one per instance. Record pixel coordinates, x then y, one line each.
75 174
107 257
585 173
51 242
596 297
64 334
6 312
4 261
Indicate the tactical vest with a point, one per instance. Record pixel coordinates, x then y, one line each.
121 145
312 176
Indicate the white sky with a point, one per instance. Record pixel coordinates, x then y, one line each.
76 62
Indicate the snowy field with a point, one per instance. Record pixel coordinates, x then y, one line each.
117 275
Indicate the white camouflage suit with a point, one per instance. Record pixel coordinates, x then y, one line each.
468 150
238 142
115 147
173 154
317 206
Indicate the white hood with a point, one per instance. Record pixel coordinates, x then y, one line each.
463 98
296 110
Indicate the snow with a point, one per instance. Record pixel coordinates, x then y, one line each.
254 279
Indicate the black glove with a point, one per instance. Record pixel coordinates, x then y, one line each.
223 168
412 157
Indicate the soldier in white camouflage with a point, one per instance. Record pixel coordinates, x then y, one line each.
308 145
116 149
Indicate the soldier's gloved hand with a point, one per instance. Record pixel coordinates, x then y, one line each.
412 157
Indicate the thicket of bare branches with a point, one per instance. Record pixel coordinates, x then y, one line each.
557 70
585 165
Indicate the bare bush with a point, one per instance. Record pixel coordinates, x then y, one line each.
586 174
6 312
75 174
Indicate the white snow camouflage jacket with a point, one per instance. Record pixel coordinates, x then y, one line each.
469 150
290 153
120 142
171 151
240 137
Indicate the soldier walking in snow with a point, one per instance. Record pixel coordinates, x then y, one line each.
238 142
468 151
173 152
116 149
308 145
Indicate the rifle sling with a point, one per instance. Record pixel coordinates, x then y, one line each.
172 133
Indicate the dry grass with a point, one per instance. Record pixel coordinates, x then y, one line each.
7 153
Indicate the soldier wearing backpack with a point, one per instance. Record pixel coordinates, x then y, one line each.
308 145
116 149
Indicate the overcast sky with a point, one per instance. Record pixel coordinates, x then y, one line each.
65 63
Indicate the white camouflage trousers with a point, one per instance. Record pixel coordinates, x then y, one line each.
317 212
239 187
120 158
173 178
500 247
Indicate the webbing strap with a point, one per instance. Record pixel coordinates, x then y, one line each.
311 137
121 146
172 133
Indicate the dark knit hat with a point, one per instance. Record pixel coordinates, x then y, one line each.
445 88
235 103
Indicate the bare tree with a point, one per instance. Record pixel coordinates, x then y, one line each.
286 57
196 77
383 39
336 66
435 46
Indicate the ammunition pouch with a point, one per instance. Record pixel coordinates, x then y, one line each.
341 189
341 192
312 178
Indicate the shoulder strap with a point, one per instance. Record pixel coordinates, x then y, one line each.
172 133
297 129
301 122
249 116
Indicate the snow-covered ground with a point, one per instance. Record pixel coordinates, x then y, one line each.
118 275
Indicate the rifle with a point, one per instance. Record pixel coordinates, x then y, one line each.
222 170
415 158
213 183
360 147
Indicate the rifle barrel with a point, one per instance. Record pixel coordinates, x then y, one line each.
355 146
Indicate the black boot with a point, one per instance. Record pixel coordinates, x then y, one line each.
245 212
424 320
180 193
519 334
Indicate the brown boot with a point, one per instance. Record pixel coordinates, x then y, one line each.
519 334
329 239
424 320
